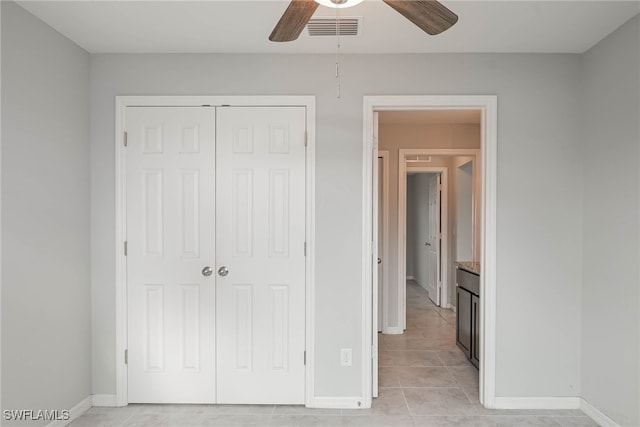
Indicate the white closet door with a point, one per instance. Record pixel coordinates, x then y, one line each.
171 234
260 228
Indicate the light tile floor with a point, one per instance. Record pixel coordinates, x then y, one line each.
424 381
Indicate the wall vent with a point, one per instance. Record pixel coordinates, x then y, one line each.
326 26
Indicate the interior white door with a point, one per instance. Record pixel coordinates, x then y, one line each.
260 230
379 260
170 239
433 242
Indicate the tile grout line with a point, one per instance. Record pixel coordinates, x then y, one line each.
406 402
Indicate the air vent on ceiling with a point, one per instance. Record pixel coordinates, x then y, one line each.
344 26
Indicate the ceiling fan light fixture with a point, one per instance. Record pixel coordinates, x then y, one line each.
338 3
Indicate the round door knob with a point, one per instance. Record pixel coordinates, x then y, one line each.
223 271
207 271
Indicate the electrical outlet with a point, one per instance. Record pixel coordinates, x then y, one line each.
346 357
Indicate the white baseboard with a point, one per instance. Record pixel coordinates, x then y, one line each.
556 403
537 403
74 413
596 415
349 402
393 330
104 400
449 307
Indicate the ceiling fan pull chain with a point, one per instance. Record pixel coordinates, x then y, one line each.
338 53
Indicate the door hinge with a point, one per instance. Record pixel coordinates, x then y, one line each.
305 357
306 137
126 357
125 248
305 248
126 139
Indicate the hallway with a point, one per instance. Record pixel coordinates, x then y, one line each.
425 357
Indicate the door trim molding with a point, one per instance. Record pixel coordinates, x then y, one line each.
402 230
122 102
488 105
384 154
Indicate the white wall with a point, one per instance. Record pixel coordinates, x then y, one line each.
464 211
539 230
46 320
610 139
453 217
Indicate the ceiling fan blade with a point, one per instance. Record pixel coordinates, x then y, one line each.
431 16
293 20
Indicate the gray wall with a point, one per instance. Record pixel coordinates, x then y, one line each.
611 293
539 212
420 229
46 320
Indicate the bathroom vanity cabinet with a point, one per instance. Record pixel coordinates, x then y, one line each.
468 311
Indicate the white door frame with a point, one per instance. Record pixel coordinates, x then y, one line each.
403 169
380 297
122 102
384 154
488 105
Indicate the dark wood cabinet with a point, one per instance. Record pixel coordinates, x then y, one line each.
463 314
475 330
468 315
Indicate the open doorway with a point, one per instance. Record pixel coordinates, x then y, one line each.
483 203
457 212
425 353
426 239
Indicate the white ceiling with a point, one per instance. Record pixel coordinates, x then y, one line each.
242 26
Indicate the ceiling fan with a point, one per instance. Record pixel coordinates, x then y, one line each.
429 15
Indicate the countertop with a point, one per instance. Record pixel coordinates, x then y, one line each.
471 267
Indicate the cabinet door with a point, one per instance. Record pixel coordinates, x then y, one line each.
463 325
475 330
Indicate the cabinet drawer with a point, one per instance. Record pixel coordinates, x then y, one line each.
469 281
